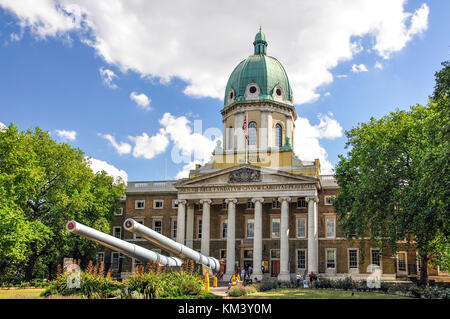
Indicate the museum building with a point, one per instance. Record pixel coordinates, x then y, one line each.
255 203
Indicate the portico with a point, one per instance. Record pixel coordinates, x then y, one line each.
241 185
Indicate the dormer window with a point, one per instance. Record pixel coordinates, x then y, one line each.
278 93
252 92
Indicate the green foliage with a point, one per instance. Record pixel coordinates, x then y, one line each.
165 285
238 291
394 181
43 184
149 285
91 286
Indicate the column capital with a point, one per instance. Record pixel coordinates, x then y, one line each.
258 199
284 199
208 201
231 200
310 198
180 201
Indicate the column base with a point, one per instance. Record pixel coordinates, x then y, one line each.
227 277
257 277
284 277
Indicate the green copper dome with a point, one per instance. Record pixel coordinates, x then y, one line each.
259 77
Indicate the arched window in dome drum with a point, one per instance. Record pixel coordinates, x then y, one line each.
278 135
252 128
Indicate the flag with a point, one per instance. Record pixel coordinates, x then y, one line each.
244 127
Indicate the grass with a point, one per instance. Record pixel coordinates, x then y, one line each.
318 294
31 293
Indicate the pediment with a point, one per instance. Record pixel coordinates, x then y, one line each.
247 174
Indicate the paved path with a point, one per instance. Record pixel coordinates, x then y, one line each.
219 291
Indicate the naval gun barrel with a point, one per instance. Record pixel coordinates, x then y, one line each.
170 244
119 245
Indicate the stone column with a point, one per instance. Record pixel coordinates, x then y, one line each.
257 240
231 238
313 235
284 240
181 220
224 136
238 132
205 226
190 226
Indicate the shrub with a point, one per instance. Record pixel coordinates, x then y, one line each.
238 291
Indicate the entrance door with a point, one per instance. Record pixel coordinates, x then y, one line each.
275 268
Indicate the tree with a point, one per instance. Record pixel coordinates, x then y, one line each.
44 184
394 181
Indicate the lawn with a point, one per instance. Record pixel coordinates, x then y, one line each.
318 294
21 293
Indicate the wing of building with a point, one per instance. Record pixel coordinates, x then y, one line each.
256 203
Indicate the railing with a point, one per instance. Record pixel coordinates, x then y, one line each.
328 180
151 186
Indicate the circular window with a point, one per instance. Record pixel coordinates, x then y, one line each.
231 95
252 89
278 92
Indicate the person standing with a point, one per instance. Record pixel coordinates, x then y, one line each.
299 278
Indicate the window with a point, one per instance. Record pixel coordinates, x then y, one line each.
135 262
174 203
352 258
223 254
250 228
174 228
230 137
252 129
252 89
278 135
301 202
139 204
276 204
198 206
401 261
99 257
331 258
158 204
224 228
274 253
223 205
115 257
330 227
376 260
136 236
248 253
250 204
301 259
157 225
329 200
118 211
199 233
275 228
301 227
117 232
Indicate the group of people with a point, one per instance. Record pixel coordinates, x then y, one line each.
306 284
245 272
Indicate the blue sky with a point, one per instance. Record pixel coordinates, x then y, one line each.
50 74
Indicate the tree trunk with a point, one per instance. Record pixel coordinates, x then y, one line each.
50 271
424 271
30 267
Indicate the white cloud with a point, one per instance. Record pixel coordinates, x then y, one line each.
184 173
108 77
378 65
66 135
141 100
122 148
148 147
327 94
341 76
2 127
307 146
99 165
186 39
359 68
